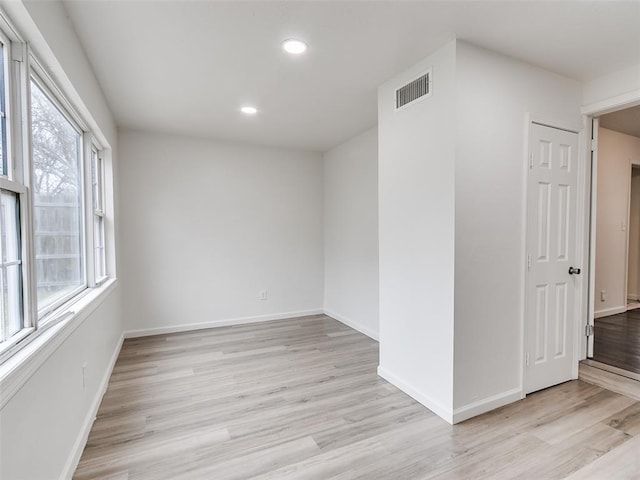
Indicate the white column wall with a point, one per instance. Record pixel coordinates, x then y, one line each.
416 223
495 93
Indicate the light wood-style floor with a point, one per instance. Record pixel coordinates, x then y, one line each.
300 399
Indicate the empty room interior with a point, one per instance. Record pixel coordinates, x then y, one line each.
319 239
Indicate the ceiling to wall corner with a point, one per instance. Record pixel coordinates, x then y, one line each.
186 67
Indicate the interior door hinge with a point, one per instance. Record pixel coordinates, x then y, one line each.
588 330
594 144
526 359
531 161
528 261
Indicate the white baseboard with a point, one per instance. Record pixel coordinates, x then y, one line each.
440 410
609 311
355 325
486 404
633 296
81 441
145 332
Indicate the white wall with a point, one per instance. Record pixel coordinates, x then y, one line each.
494 94
351 232
452 176
43 425
633 271
416 224
616 152
208 225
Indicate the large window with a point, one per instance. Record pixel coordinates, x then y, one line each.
52 200
57 200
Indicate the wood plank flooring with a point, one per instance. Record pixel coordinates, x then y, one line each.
300 399
617 340
592 372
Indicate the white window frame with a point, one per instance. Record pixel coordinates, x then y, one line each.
49 313
27 327
100 244
97 213
15 72
44 330
8 100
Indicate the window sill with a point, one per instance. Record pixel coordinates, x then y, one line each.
21 366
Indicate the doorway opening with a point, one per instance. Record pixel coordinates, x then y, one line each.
633 257
616 226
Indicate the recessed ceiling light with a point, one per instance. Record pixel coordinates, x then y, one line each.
249 110
295 47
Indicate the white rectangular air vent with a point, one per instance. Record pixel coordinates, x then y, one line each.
412 91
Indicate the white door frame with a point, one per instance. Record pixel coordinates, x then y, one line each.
584 136
592 186
592 112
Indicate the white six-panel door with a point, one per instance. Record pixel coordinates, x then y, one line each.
551 239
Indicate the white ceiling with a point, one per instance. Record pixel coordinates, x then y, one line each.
625 121
186 67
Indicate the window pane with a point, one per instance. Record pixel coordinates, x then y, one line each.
10 267
57 192
3 116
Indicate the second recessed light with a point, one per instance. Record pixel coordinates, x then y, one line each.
294 47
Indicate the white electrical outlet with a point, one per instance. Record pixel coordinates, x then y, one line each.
603 296
263 295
